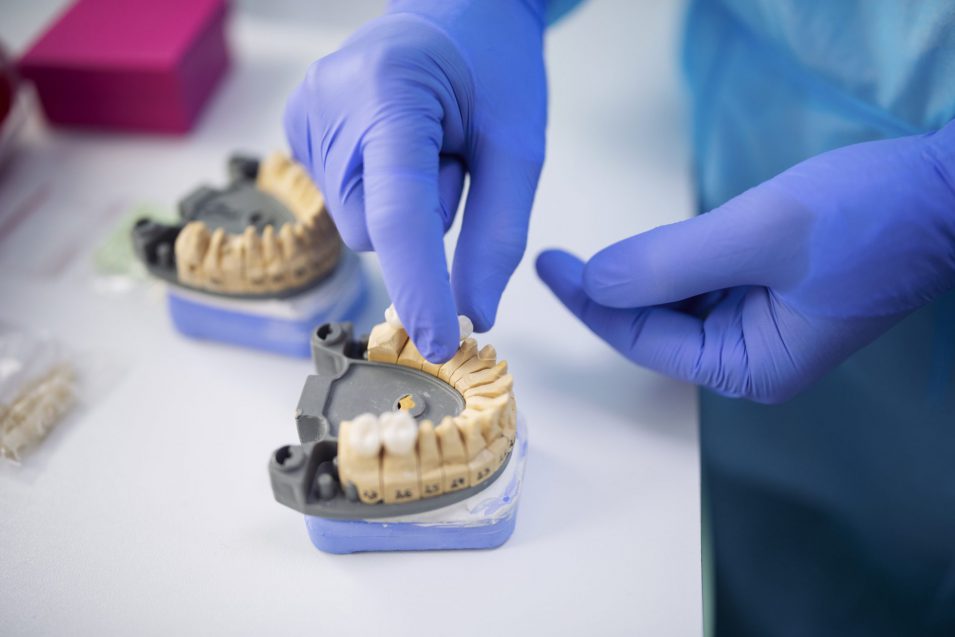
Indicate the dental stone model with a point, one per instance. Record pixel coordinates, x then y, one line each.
425 460
397 453
267 234
385 432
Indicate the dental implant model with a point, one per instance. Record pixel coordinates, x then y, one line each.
399 453
256 263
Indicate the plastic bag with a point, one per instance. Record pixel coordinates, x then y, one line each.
37 387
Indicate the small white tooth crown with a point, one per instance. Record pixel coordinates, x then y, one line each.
364 435
465 326
399 432
391 317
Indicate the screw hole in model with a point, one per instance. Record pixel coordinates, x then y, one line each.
283 454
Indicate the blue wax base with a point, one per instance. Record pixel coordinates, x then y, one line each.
281 326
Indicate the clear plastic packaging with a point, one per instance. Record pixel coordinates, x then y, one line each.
37 388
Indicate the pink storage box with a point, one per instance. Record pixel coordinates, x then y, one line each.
138 65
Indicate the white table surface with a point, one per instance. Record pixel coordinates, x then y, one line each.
149 511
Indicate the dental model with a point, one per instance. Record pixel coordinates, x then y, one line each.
267 234
396 453
391 458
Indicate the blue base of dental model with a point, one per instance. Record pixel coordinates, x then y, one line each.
282 326
483 521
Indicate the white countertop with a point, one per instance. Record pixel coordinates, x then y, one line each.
149 511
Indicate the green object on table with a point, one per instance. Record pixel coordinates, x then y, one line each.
114 257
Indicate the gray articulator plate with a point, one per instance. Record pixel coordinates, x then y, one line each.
345 385
233 208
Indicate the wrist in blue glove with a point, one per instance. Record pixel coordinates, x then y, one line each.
388 126
763 295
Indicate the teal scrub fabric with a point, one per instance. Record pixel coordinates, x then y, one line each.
833 513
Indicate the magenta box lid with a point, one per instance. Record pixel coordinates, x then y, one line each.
128 34
139 65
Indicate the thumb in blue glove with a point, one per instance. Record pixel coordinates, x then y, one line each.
389 125
763 295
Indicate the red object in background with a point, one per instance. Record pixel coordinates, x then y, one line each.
145 65
6 96
8 87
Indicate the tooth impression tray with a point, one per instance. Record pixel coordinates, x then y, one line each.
386 434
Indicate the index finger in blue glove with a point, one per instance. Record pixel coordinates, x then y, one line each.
406 227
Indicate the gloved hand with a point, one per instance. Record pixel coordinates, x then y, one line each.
763 295
388 125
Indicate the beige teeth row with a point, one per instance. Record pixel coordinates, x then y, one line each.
275 260
289 182
251 262
458 452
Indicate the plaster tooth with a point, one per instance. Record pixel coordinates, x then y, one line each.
310 253
485 403
503 386
491 417
287 242
274 260
359 458
302 236
296 258
286 187
482 377
212 262
509 420
484 359
191 246
399 478
399 466
254 261
470 425
385 343
466 352
499 449
232 263
271 170
480 460
431 368
311 201
453 456
313 237
270 247
410 356
430 474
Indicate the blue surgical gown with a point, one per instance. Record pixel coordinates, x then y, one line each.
834 513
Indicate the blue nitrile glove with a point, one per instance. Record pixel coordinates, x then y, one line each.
389 124
763 295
